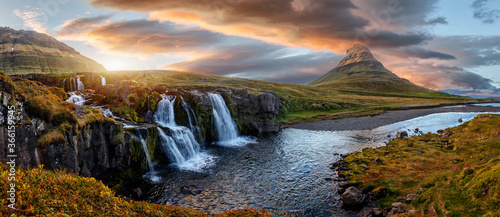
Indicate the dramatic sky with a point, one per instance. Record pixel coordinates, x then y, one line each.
440 44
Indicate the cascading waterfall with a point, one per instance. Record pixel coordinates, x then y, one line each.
227 131
181 146
103 80
63 85
193 122
80 84
71 84
145 148
76 99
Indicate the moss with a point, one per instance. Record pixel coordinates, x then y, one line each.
52 137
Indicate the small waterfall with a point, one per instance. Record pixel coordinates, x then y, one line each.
193 121
76 99
63 85
227 131
103 80
80 84
145 148
181 146
149 113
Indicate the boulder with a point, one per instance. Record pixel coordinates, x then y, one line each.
396 204
395 211
352 197
401 134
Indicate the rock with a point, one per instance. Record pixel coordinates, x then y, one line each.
401 134
377 160
446 134
411 197
413 211
191 189
396 204
364 166
420 190
136 193
460 120
376 212
352 197
395 211
344 184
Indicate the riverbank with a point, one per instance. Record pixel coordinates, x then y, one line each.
453 173
386 118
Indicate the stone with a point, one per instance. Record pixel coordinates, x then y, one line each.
411 197
136 193
364 166
192 189
376 212
395 211
401 134
460 120
377 160
344 184
396 204
413 211
352 197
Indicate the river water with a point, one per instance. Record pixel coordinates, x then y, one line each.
286 174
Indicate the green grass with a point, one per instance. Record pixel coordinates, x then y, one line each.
459 174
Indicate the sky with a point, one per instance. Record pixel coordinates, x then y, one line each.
439 44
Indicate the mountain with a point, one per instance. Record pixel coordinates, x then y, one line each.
23 52
495 93
359 70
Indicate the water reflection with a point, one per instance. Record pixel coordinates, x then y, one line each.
286 174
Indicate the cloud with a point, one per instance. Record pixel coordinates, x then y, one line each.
33 20
204 51
484 14
421 53
318 24
436 20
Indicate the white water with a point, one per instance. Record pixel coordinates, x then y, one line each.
152 174
76 99
106 112
181 146
227 131
193 122
103 80
80 84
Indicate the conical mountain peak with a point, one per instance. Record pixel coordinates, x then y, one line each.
359 70
357 54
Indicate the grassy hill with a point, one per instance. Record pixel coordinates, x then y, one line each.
24 52
359 70
458 172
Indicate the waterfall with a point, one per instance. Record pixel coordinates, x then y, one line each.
103 80
227 131
63 85
76 99
80 84
193 122
145 148
149 114
180 146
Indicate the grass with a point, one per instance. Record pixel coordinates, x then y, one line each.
459 174
57 193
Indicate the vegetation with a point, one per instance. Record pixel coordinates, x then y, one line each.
58 193
458 171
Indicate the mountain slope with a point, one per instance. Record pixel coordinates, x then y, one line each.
359 70
23 52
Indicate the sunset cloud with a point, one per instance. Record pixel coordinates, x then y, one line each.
33 19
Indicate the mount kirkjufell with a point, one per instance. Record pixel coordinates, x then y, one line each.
25 52
359 70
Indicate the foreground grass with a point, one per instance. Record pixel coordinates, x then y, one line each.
459 174
58 193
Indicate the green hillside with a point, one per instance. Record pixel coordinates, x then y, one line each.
25 52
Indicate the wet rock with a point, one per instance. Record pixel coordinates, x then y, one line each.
376 212
411 197
460 120
401 134
395 211
192 189
352 197
344 184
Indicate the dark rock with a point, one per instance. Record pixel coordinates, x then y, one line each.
460 120
395 211
352 197
192 189
344 184
401 134
376 212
